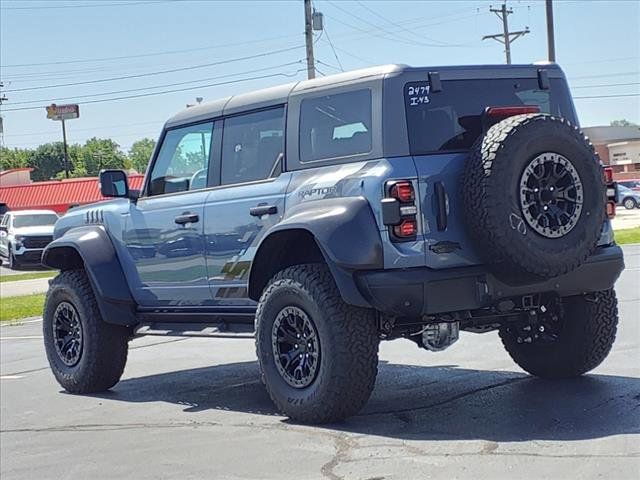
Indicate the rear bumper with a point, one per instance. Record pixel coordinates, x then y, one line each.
419 291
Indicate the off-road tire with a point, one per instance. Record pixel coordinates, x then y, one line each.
491 194
104 346
348 340
586 337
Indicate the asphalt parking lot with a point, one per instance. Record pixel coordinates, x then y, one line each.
194 408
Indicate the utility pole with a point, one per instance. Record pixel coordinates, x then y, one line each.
506 37
3 98
308 36
551 42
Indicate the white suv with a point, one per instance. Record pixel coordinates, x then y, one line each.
24 234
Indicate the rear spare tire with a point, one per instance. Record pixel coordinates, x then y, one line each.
534 197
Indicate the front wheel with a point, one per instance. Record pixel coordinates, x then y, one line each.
86 354
576 339
13 261
629 203
318 355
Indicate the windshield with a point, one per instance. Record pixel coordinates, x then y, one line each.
451 119
630 183
38 220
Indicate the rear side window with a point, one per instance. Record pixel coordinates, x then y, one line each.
451 119
252 146
334 126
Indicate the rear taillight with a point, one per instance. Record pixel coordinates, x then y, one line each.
408 228
608 175
399 210
402 191
504 112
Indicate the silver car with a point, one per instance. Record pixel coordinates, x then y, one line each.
24 234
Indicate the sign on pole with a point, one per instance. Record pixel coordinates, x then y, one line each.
63 112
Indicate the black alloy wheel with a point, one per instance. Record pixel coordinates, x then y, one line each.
551 195
296 347
67 334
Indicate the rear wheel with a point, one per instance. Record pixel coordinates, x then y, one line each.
318 356
573 340
86 354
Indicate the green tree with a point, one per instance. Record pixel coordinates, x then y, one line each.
623 123
13 158
48 160
140 154
97 154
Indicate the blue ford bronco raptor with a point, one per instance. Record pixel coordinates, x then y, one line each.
326 215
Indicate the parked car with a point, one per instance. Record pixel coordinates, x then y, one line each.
331 214
24 234
3 209
628 198
631 184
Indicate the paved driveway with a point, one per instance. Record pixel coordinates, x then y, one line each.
194 408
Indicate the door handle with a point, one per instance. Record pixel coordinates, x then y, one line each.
187 218
260 210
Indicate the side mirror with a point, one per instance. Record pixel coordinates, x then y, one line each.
114 183
3 228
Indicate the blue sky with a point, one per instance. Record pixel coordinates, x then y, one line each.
48 43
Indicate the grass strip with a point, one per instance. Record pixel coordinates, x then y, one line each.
26 276
15 308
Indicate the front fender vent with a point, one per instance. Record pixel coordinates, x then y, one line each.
94 216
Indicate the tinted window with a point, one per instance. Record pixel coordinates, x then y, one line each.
451 119
252 146
183 161
37 220
335 125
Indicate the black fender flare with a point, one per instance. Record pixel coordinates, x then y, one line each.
91 248
347 234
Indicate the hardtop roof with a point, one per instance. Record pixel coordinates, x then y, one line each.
280 93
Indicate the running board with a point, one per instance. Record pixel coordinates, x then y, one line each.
217 330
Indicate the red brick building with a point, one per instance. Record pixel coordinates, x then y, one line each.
618 147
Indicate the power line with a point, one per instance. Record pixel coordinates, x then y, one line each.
41 100
151 94
121 125
609 96
618 74
352 55
360 19
92 5
397 25
333 49
608 85
151 54
159 72
333 67
366 33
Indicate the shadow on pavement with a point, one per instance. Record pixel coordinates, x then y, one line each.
418 402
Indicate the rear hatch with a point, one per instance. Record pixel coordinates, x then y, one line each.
445 116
